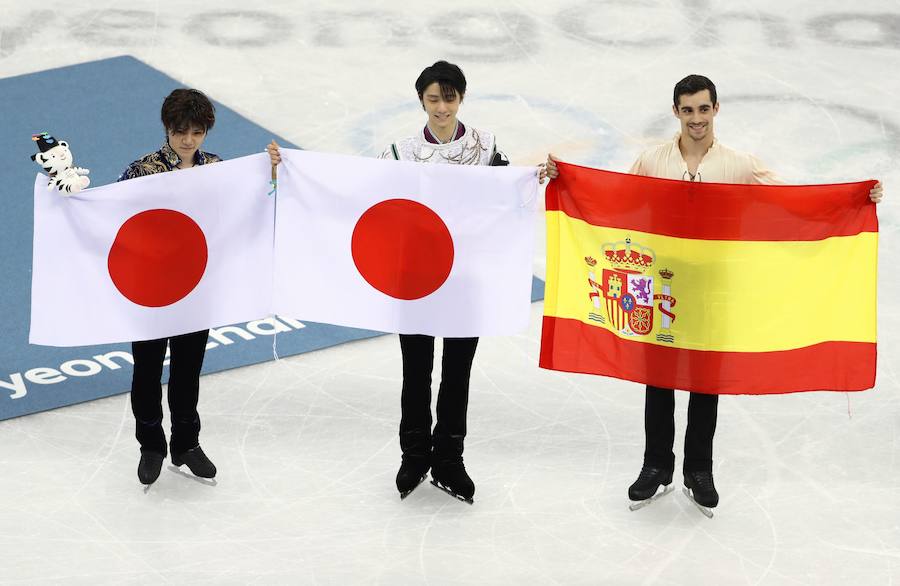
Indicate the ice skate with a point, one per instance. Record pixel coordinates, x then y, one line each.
645 489
196 461
149 467
700 489
451 477
413 472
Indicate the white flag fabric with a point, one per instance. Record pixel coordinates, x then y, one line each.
410 248
153 257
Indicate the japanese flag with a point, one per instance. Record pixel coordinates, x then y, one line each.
153 257
413 248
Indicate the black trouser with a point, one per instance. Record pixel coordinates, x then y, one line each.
453 396
184 383
659 427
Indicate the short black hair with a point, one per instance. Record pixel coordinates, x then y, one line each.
449 76
184 108
692 84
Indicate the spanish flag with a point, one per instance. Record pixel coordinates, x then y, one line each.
712 288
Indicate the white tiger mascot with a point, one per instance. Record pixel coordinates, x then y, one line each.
56 159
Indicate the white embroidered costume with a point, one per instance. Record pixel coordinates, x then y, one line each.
474 147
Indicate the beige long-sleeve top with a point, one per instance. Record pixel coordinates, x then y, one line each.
720 165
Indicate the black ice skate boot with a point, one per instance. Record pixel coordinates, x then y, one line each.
648 482
447 469
416 446
197 461
644 489
700 488
411 474
451 477
150 466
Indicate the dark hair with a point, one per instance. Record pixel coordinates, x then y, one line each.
184 108
692 84
449 76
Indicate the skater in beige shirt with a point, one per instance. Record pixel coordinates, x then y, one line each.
693 155
719 164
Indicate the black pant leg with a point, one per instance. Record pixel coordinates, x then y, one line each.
187 352
701 427
415 397
453 397
146 394
659 428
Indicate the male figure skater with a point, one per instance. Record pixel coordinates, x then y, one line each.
187 115
693 155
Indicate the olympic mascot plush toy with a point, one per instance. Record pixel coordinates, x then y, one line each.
56 159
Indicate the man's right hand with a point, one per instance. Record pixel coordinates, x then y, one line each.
272 149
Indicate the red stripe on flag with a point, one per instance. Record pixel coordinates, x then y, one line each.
730 212
572 346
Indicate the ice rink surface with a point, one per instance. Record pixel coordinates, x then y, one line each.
307 446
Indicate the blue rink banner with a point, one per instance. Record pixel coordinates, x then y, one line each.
108 112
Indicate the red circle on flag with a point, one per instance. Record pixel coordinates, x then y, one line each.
158 257
402 248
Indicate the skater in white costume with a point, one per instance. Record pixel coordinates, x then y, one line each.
444 139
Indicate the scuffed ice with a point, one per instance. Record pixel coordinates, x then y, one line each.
307 447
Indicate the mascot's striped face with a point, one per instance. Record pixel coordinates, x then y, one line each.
57 159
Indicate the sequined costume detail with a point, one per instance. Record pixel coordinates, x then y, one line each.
165 159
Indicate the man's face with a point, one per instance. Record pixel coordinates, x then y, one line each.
441 111
186 141
696 113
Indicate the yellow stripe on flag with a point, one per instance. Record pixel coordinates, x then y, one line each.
730 296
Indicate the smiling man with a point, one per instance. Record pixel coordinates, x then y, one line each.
444 139
693 155
441 88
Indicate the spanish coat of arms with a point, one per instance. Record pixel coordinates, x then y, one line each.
624 296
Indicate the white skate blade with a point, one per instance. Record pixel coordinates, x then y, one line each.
705 510
641 504
403 495
437 484
206 481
